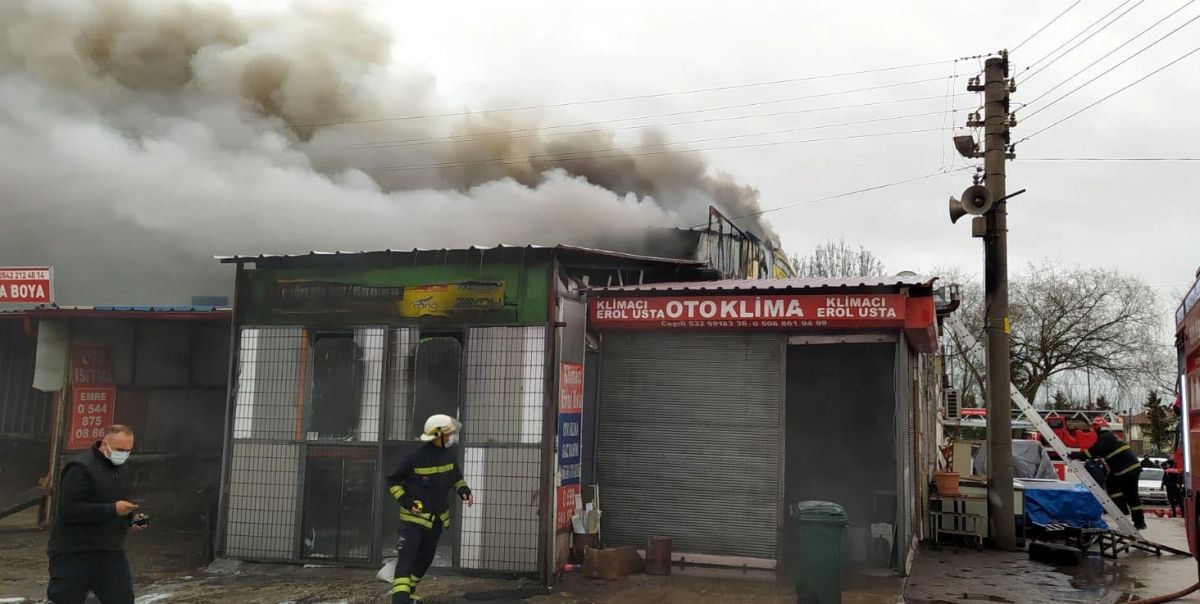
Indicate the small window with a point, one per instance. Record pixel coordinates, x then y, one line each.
336 378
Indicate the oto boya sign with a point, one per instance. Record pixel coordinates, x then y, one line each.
778 311
27 285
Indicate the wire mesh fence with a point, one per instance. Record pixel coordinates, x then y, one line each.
316 410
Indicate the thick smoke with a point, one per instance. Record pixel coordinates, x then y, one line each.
141 137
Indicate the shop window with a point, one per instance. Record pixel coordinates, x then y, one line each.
336 382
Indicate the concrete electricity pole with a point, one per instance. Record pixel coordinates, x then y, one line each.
999 430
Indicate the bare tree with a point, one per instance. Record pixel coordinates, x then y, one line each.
836 258
1068 320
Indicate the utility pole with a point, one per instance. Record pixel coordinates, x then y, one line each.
995 153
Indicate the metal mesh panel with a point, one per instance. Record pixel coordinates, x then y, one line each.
332 487
400 384
505 398
263 500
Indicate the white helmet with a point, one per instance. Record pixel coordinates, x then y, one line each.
438 425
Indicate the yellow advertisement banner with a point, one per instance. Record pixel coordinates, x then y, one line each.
450 299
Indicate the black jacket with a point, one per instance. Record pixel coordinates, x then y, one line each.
1115 453
85 515
427 475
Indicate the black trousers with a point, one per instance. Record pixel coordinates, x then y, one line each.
415 549
1175 497
1124 492
105 574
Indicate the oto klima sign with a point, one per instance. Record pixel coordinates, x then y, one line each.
778 311
27 285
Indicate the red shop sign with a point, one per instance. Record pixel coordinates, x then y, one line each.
27 285
91 413
750 312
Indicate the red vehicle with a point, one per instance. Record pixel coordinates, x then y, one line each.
1187 338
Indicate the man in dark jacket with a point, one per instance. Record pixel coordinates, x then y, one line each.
421 484
1123 470
1172 483
92 513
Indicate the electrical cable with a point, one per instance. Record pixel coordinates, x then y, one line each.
1127 59
1108 158
1025 79
1043 28
536 132
629 97
846 194
1072 38
623 152
1109 53
1112 94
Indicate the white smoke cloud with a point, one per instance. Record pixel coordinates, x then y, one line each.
142 137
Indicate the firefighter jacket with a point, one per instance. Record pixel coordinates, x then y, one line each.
1115 452
424 479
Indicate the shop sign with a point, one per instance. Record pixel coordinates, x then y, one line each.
91 413
570 440
26 285
92 365
750 312
973 412
450 299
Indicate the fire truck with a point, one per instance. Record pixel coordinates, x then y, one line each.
1187 340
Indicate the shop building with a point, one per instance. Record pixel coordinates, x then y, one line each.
719 403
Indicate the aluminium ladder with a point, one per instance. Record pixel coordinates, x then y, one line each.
1124 531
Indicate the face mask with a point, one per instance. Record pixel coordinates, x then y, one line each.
118 457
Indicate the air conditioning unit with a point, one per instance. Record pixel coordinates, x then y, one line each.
951 402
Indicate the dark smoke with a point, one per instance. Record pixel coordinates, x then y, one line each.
141 137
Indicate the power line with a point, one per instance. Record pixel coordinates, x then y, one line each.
631 97
539 129
574 132
1081 42
1109 158
1072 38
1111 52
1110 70
623 152
897 183
1112 94
1043 28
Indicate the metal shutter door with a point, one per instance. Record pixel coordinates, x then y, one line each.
691 441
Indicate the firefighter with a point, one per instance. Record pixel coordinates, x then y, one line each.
1173 484
1123 470
421 484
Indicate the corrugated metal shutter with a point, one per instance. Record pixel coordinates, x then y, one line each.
690 440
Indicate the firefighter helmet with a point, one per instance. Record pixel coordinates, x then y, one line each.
439 425
1099 423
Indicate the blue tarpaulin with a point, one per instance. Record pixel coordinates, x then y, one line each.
1062 503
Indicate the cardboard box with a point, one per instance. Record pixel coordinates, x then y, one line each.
611 563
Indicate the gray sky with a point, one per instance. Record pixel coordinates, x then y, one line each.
147 175
1131 216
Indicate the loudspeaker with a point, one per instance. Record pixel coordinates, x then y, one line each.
976 200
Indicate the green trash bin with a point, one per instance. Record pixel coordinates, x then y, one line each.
819 525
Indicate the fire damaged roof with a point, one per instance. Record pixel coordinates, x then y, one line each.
449 252
183 312
744 285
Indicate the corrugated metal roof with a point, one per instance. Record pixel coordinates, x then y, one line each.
776 284
123 312
474 248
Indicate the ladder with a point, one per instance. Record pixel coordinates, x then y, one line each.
1125 526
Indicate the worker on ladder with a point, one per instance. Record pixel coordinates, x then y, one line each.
421 484
1123 470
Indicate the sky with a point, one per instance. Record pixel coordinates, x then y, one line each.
480 57
1122 215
